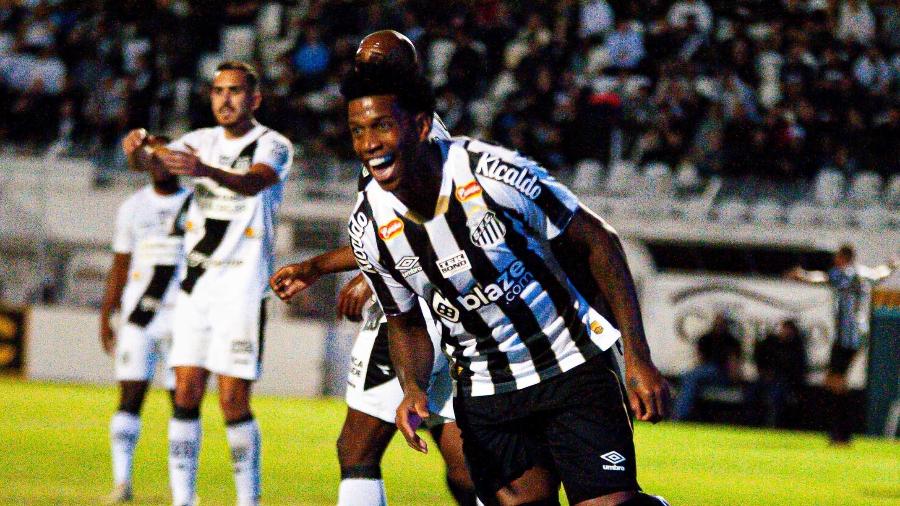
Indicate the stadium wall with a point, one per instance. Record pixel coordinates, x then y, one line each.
62 345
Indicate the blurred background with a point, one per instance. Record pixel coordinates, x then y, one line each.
727 141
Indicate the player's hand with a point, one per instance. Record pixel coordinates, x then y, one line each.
795 274
648 391
352 298
292 279
107 338
134 140
412 410
181 163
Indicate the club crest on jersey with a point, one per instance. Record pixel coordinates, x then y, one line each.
408 266
468 191
391 230
488 231
453 264
519 178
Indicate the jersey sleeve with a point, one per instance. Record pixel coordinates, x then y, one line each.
395 298
123 239
520 184
186 142
277 152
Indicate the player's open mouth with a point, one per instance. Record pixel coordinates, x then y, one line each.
381 163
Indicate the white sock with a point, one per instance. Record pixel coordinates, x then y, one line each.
124 429
184 455
244 441
361 492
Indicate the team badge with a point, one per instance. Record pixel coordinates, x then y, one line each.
468 191
408 266
453 264
489 231
391 230
444 308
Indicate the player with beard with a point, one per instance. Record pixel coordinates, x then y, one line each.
239 168
538 397
373 391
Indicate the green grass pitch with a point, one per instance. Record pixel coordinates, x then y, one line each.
55 451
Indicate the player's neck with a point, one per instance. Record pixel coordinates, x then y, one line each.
166 188
421 194
238 130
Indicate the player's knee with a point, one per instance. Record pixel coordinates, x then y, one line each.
234 401
188 394
131 401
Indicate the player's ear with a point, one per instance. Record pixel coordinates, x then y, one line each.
257 99
423 125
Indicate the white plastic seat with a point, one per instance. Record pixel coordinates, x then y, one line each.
891 196
829 187
86 277
767 212
658 180
238 42
872 217
733 211
623 178
802 214
588 174
865 188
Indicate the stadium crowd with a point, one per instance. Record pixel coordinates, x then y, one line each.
777 89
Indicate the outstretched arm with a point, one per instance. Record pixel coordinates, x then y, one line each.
413 356
881 272
590 236
112 296
291 279
813 277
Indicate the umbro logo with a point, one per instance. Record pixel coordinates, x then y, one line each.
408 266
490 231
615 458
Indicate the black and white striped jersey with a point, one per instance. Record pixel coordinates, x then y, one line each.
484 265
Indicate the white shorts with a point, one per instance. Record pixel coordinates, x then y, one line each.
140 349
372 384
223 337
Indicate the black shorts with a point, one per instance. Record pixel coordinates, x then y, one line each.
577 425
841 357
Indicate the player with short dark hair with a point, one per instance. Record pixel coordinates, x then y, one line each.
141 286
373 391
539 400
239 168
852 286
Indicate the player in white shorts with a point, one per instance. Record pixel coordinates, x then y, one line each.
373 390
141 286
239 168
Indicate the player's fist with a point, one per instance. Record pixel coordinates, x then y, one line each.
353 298
292 279
134 140
648 392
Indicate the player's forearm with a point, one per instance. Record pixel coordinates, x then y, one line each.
115 284
813 277
411 351
248 184
339 260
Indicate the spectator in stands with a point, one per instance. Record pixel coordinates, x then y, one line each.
719 354
781 363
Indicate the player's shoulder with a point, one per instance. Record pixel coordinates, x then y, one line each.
502 169
274 136
137 199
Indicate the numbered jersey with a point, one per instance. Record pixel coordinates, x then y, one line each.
229 237
149 227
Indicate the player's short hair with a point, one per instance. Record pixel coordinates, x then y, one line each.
249 71
847 251
413 91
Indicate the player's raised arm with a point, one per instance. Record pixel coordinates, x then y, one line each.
648 390
881 272
813 277
353 297
413 357
291 279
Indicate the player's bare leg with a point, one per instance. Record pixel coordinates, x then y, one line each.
360 448
124 430
184 433
537 486
243 437
449 442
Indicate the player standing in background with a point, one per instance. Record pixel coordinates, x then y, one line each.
373 391
141 286
851 284
240 167
538 397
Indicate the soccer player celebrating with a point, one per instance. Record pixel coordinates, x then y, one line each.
373 391
538 398
239 168
141 285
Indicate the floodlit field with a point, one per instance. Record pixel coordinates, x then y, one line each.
55 451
